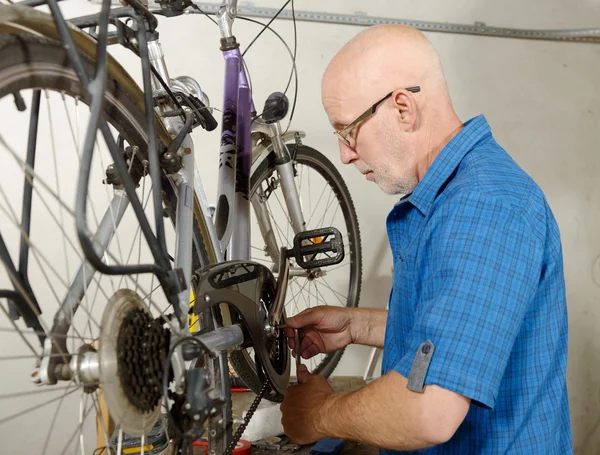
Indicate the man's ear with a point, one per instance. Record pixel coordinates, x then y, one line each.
406 105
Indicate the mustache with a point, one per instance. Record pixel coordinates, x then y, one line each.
364 169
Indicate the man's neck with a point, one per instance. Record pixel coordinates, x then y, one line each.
436 141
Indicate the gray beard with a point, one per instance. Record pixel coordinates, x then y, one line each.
392 187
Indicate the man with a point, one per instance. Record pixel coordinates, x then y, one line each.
475 339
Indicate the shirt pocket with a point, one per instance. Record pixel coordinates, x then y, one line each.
404 279
404 296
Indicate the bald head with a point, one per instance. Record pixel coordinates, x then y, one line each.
384 58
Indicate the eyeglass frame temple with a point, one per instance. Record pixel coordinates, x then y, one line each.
369 112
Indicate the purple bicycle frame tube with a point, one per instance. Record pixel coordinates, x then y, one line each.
235 158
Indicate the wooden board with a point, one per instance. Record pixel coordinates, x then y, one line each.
351 448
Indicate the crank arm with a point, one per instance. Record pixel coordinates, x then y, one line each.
276 310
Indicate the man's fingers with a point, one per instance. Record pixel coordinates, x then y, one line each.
302 374
310 316
310 352
308 347
305 342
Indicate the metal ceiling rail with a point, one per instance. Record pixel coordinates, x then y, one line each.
590 35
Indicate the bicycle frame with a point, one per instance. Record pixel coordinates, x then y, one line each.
235 160
235 156
231 230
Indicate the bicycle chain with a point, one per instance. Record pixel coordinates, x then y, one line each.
249 414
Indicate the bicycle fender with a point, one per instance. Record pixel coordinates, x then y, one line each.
16 20
262 150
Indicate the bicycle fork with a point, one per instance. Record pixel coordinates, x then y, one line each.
285 170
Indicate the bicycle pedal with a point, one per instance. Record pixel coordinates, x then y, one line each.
318 248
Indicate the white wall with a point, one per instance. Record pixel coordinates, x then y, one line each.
540 98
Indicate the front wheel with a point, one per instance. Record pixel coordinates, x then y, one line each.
326 202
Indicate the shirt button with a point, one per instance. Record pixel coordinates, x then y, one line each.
425 349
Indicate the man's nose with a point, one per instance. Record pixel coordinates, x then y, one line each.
347 154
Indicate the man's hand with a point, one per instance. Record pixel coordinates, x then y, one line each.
302 406
324 329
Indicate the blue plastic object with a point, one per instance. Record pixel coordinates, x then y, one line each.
327 446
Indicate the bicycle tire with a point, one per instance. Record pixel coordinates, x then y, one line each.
44 64
242 363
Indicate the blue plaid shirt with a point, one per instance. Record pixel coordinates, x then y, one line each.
478 271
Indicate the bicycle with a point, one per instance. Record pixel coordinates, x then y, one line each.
143 354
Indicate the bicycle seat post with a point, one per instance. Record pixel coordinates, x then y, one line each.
225 16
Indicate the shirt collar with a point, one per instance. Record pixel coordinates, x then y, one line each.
446 163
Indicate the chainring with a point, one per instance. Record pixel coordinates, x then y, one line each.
249 290
276 374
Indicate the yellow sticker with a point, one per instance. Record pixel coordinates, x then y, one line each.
193 318
131 450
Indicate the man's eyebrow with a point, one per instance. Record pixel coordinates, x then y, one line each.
338 125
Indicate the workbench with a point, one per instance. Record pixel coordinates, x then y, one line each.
241 402
351 448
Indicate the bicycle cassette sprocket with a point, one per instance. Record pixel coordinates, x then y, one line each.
132 353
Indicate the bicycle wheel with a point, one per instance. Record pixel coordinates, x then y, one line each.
71 416
325 202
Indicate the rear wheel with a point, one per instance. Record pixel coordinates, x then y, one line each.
326 202
120 330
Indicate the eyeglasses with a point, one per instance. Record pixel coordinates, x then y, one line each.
343 133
